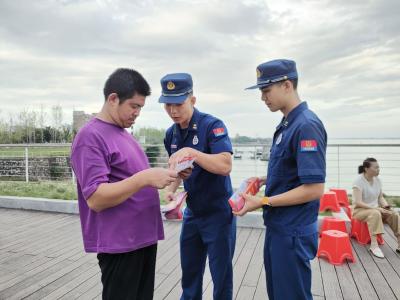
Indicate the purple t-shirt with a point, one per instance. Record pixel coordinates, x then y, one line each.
103 152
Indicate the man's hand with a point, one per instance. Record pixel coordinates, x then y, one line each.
159 177
180 155
263 180
250 203
185 174
170 196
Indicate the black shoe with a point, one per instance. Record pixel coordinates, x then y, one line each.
398 250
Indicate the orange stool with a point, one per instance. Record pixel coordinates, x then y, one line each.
342 198
359 230
329 201
335 246
332 223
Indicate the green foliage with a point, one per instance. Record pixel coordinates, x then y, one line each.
35 151
242 139
325 213
151 135
65 190
393 200
42 189
152 152
28 127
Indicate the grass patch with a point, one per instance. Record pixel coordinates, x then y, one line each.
393 200
40 189
45 189
325 214
35 151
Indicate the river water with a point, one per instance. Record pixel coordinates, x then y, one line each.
343 158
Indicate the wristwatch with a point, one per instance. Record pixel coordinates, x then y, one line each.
265 201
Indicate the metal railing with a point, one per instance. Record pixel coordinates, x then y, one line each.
39 162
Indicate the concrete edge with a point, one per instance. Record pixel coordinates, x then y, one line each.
41 204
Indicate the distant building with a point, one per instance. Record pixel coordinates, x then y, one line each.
79 118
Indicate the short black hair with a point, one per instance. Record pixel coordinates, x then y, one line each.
126 83
366 164
294 82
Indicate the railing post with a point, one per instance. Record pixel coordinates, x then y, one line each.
26 165
73 176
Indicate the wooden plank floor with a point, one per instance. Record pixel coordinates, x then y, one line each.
41 257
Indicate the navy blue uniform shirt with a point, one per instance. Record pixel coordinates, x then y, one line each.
207 192
297 157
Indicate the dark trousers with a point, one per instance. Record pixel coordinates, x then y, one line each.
287 260
128 276
213 236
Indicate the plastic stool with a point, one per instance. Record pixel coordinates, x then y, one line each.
342 198
335 246
332 223
329 201
359 230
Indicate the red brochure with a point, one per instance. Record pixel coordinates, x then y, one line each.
248 186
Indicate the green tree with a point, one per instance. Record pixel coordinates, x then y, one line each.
150 135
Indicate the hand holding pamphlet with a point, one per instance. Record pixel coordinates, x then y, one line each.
184 163
173 209
248 186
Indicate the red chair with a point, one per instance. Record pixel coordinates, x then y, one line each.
341 194
359 230
329 201
335 246
332 223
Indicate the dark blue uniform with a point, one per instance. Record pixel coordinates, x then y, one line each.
297 157
208 224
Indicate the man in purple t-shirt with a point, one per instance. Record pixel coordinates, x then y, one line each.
117 191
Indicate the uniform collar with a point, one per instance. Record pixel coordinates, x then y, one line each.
292 115
193 124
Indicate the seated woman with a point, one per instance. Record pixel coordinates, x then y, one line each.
371 207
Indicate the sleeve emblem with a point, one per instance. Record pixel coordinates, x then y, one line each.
308 146
219 131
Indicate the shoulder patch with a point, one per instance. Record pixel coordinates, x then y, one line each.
308 146
219 131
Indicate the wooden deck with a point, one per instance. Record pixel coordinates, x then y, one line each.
41 257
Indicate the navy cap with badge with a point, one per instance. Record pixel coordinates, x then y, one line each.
274 71
175 88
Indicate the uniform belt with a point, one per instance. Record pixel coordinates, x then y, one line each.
299 230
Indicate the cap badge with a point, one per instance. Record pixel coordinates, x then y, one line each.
170 85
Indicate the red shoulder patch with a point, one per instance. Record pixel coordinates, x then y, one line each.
219 131
308 145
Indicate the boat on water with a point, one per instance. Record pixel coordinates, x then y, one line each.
237 155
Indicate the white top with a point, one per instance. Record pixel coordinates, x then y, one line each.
370 191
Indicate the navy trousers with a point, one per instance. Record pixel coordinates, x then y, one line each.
213 236
287 265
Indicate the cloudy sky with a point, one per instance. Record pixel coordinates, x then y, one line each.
347 54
